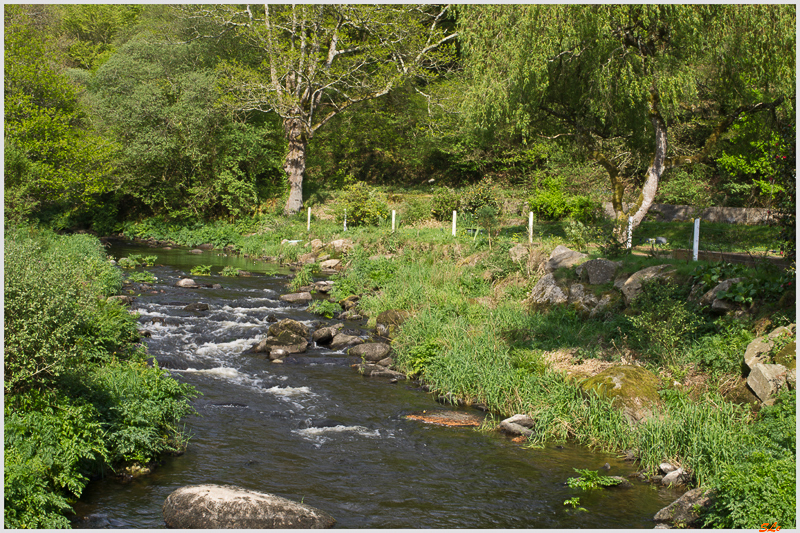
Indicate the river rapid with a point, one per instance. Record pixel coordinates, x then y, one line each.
314 430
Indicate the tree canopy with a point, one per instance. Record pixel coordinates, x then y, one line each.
617 77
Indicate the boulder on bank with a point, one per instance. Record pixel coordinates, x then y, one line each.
563 257
686 510
633 285
766 380
341 246
597 271
517 425
231 507
388 323
633 388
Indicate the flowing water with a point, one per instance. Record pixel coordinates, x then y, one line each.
314 430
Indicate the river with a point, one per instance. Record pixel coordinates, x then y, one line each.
313 430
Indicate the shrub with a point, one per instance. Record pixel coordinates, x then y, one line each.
230 271
416 210
480 195
325 308
201 270
362 204
304 276
549 201
444 202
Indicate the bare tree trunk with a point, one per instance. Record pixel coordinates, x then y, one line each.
656 169
295 164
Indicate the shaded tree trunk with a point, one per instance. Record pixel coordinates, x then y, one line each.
295 163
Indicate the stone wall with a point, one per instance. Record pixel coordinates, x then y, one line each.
679 213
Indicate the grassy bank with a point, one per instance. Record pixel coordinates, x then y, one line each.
473 338
80 399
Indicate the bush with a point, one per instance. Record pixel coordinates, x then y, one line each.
445 201
325 308
416 210
549 201
482 194
362 205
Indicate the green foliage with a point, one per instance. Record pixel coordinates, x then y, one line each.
578 234
786 208
55 161
419 357
362 204
416 210
591 479
94 28
325 308
686 186
721 352
142 277
201 270
444 202
665 323
304 276
230 271
483 194
551 201
79 394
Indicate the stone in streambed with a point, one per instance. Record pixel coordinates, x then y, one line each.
372 352
196 307
231 507
297 297
287 324
341 340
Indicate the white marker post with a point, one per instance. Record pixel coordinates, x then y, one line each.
454 223
345 219
530 228
308 226
696 245
630 232
392 220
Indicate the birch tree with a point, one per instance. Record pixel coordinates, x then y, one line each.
617 77
308 63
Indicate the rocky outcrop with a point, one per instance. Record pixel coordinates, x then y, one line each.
633 285
632 388
563 257
686 510
597 271
546 292
766 380
231 507
768 370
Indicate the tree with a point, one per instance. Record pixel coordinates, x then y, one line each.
616 78
53 158
309 63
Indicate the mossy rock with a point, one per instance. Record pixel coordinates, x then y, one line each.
787 356
632 389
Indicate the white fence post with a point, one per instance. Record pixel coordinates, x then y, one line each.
696 244
630 232
530 227
345 220
393 220
308 226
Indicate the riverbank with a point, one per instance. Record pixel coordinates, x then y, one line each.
80 401
473 337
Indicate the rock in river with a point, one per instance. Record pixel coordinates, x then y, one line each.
231 507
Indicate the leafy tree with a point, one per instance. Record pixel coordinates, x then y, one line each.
308 63
616 78
53 158
182 154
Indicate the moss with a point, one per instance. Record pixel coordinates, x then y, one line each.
633 388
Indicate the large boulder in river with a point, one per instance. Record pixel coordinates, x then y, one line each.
632 388
371 351
686 511
231 507
287 324
325 335
297 297
341 341
563 257
187 283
